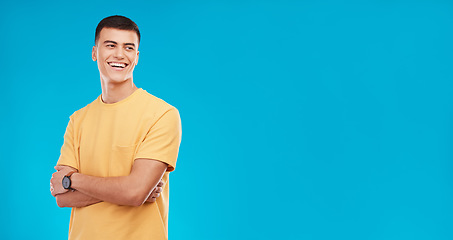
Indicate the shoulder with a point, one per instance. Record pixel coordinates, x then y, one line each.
156 105
77 115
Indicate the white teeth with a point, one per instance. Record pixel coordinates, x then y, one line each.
113 64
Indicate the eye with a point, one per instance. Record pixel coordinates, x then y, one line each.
129 48
110 45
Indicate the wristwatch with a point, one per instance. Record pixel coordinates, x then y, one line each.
67 180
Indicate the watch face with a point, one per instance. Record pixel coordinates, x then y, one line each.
66 182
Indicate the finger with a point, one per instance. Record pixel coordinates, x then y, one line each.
153 197
58 167
158 190
160 184
53 181
150 198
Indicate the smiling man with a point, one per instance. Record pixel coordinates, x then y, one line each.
118 150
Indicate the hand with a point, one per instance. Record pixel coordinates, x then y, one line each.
156 192
56 186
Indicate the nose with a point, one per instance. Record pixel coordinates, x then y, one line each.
118 53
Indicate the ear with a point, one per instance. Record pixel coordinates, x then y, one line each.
136 60
94 53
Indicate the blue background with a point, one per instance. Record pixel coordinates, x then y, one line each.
301 119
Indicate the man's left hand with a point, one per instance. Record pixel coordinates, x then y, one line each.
56 186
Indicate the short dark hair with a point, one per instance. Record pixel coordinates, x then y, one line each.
118 22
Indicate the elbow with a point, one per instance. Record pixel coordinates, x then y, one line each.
137 198
136 203
60 201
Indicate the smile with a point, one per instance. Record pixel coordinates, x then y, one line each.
118 64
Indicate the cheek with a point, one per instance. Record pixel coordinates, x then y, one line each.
103 54
133 58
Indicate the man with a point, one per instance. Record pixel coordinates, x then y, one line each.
119 149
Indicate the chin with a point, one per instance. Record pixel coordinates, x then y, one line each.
118 79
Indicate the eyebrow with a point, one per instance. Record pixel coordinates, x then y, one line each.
110 41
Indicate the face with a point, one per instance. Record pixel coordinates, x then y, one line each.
116 52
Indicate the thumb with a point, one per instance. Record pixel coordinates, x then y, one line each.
58 168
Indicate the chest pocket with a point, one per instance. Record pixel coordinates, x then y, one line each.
121 160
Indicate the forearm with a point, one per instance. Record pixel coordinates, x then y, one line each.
126 190
75 199
132 190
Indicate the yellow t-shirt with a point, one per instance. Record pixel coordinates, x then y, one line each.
104 140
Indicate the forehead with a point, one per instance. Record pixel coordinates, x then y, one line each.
118 35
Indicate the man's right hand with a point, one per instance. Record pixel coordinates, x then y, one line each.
156 192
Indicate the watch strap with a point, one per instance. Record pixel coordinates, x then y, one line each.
69 174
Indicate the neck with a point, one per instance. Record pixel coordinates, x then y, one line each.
114 92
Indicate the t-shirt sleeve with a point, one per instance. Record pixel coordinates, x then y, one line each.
68 150
162 140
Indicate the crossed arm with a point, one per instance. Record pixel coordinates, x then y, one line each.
141 185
